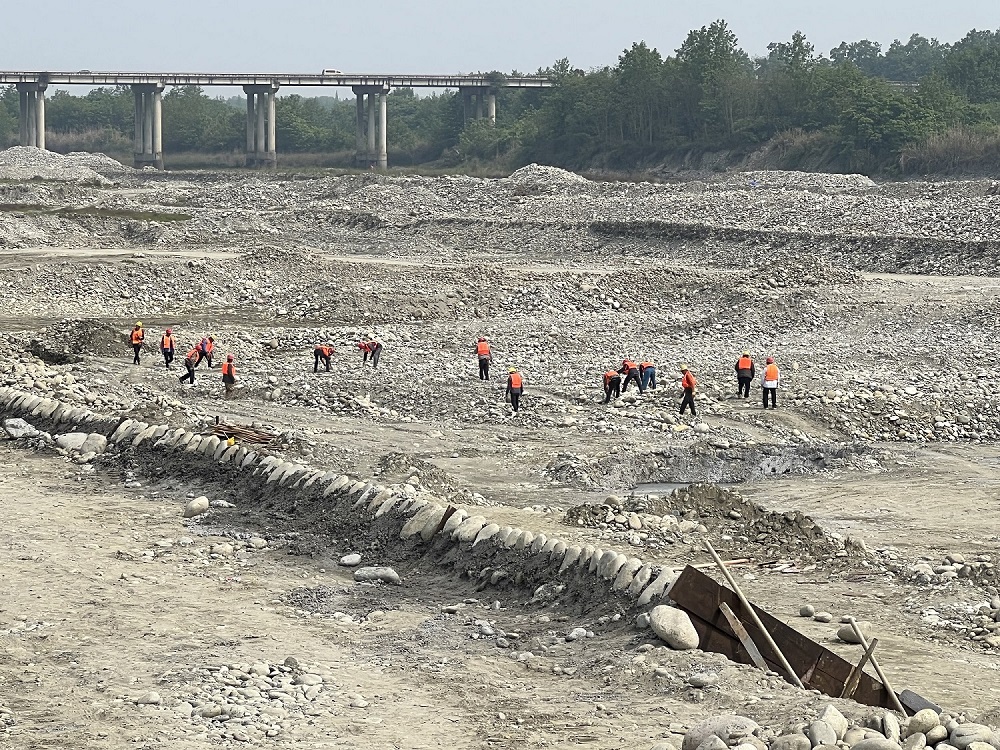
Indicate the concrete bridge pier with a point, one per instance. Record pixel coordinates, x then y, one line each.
483 95
148 143
261 146
372 122
31 120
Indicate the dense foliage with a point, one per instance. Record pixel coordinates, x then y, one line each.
921 105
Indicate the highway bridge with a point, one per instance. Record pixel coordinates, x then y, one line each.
371 91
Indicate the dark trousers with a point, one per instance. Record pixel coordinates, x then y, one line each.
374 355
202 355
613 388
484 368
168 357
687 401
136 348
189 365
743 385
632 376
515 400
317 356
774 397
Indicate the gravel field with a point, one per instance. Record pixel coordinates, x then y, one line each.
871 491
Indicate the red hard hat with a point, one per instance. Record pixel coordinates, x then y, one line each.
770 360
229 357
170 330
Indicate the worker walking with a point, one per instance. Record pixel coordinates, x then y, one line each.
167 345
228 375
371 348
137 336
612 385
631 372
772 377
485 355
689 384
515 387
191 361
647 374
745 372
205 349
322 352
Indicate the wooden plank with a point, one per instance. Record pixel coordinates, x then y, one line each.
701 597
744 636
852 682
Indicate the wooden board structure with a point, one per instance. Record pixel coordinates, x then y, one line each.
818 668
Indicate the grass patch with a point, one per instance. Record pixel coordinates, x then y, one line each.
105 213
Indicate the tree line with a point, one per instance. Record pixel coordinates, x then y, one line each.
918 106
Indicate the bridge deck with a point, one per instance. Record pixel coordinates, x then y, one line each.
90 78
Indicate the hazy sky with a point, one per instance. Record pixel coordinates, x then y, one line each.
435 36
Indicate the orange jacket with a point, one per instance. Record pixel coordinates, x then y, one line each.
609 376
192 355
325 351
138 335
688 381
483 348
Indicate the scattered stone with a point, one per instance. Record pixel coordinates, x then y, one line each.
196 507
377 573
673 626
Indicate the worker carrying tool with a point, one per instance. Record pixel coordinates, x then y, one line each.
689 385
515 388
612 385
745 372
167 346
229 375
485 355
137 336
205 349
772 378
631 372
322 352
371 348
647 375
191 361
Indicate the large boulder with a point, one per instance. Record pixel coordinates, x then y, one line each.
923 721
876 743
835 720
17 428
965 734
196 507
95 443
791 742
673 627
71 441
729 728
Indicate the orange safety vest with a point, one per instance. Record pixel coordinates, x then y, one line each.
745 363
324 350
688 380
228 368
483 348
193 354
138 335
515 380
209 346
771 373
628 365
609 376
644 365
167 342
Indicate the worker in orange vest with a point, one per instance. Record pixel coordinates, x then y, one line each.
371 348
612 385
191 361
205 349
647 373
167 345
631 372
745 372
485 355
689 384
772 377
322 352
229 375
137 336
515 387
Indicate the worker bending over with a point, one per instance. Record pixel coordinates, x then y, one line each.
322 352
612 385
371 348
631 372
647 374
